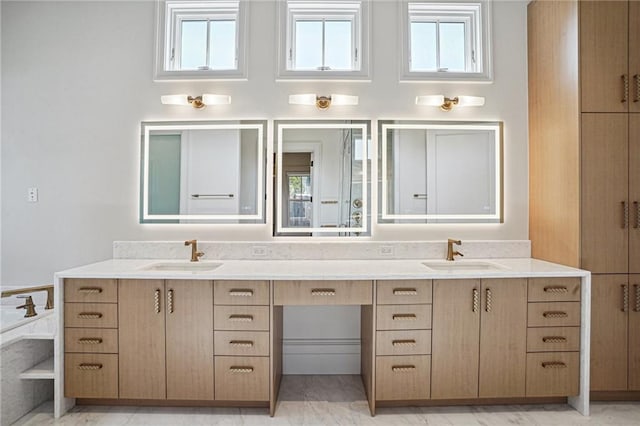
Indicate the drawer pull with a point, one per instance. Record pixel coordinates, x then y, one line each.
625 214
90 290
90 341
625 88
241 369
555 314
407 342
403 368
170 301
404 317
90 367
556 289
474 306
637 288
554 339
405 291
323 292
554 364
241 343
156 301
90 315
625 297
236 317
636 225
241 292
637 79
488 297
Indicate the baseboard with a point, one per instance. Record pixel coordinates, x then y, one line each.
321 356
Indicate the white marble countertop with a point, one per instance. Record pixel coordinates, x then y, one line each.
324 269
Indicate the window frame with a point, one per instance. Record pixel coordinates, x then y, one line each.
171 13
355 11
476 17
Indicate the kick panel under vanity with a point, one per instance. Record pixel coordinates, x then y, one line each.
427 338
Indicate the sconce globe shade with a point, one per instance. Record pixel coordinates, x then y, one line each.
470 101
344 100
430 100
175 100
209 99
303 99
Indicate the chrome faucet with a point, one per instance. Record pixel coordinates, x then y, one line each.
450 251
29 306
195 254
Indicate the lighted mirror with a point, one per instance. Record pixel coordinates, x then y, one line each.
440 172
203 172
322 182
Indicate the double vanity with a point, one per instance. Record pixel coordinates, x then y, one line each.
433 332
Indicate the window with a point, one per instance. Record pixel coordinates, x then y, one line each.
200 39
446 41
323 39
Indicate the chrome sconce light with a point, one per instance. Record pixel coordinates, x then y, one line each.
197 102
322 102
446 104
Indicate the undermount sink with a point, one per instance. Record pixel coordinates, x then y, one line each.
462 266
183 266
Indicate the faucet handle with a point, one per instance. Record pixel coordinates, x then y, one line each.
28 301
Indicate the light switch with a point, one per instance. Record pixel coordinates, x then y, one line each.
32 195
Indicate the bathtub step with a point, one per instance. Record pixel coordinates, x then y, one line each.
44 370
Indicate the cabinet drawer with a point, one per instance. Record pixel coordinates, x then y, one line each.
95 291
556 339
553 374
91 375
554 289
95 340
243 343
253 318
242 378
403 342
323 293
554 314
97 315
403 317
403 377
403 292
241 292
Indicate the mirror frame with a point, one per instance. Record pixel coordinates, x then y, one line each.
148 126
496 126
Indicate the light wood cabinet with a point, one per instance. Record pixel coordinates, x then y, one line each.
634 189
634 333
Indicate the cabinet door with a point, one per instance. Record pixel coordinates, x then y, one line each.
609 324
141 339
634 191
604 192
634 332
503 338
189 317
603 55
456 339
634 54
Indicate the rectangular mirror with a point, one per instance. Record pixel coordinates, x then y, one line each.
322 178
203 172
440 172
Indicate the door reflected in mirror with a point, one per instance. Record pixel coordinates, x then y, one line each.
202 172
440 172
322 183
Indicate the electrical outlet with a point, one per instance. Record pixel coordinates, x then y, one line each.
258 251
32 195
387 251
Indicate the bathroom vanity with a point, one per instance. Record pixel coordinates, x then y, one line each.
172 332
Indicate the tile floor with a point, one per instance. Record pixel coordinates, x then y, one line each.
339 400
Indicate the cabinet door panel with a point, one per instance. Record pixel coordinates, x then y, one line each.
189 339
634 52
141 339
604 189
634 332
456 339
634 191
603 55
608 333
503 338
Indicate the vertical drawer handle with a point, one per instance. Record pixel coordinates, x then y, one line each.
170 301
323 292
487 294
625 297
556 289
156 301
636 225
404 317
90 341
555 314
554 339
637 288
403 368
554 364
90 315
90 290
474 307
405 292
625 214
84 366
241 343
235 369
241 292
637 79
237 317
625 88
404 342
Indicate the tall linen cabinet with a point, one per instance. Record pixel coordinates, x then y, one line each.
584 168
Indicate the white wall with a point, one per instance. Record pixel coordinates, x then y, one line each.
77 81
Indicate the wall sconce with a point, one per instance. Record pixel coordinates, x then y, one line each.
446 104
197 102
322 102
